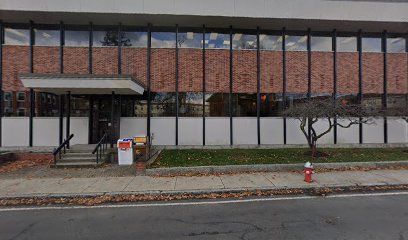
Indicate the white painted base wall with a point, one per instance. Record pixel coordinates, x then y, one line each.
45 131
271 130
347 135
163 130
15 131
190 131
79 126
217 130
132 126
244 130
293 133
397 130
374 133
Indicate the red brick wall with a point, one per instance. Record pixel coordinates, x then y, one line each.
244 72
105 60
163 70
296 72
15 61
46 59
322 72
76 60
271 72
217 70
190 70
347 73
373 73
397 73
134 62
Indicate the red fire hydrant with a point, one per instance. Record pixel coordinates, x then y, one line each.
308 170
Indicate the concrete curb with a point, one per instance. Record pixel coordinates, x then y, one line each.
268 168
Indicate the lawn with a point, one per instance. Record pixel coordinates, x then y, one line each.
219 157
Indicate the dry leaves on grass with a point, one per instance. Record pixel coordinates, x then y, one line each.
22 163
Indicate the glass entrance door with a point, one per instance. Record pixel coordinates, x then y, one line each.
101 118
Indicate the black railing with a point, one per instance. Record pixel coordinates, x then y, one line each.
62 149
101 147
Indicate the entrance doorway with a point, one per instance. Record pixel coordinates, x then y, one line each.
101 114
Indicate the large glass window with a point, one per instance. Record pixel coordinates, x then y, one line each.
271 104
296 43
47 37
134 106
47 104
396 45
371 44
323 44
79 106
134 39
14 36
215 40
76 38
216 105
244 104
270 42
163 104
163 40
190 104
243 41
190 40
106 38
346 44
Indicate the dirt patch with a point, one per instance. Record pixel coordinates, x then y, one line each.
25 160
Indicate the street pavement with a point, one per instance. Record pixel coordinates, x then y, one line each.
374 216
27 187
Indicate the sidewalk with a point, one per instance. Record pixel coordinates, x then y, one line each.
147 185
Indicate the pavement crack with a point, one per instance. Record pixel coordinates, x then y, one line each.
24 231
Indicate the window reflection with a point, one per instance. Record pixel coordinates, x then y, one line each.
134 106
244 104
190 104
14 36
47 37
216 105
215 40
296 43
189 40
323 44
76 38
270 42
163 104
134 39
346 44
107 38
396 45
371 44
271 104
163 40
243 41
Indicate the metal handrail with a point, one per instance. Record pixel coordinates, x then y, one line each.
63 146
101 147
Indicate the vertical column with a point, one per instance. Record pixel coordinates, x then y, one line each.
120 48
90 48
1 78
149 48
68 119
32 96
284 81
360 79
309 63
203 56
177 84
90 116
258 87
385 80
112 119
230 90
61 97
334 49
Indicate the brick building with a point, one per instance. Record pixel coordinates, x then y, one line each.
189 74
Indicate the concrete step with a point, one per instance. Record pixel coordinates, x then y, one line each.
77 159
76 165
79 155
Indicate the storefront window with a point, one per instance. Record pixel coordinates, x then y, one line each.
47 105
134 106
271 104
270 42
47 37
76 38
396 45
296 43
346 44
79 106
371 44
244 104
163 104
14 36
163 40
323 44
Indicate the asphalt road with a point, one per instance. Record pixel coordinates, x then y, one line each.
368 217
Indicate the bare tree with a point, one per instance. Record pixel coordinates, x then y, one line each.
401 112
311 111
